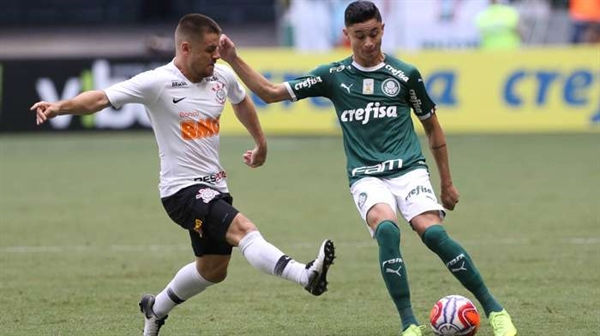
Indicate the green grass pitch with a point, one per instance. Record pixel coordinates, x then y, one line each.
83 235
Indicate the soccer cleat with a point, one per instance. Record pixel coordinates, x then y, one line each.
317 277
152 323
413 330
502 324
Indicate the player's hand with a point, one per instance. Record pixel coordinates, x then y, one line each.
449 196
44 111
256 157
227 48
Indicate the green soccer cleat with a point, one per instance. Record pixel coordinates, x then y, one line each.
413 330
502 324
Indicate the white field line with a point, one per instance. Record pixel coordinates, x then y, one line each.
186 247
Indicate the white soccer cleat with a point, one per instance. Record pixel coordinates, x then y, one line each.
152 323
317 276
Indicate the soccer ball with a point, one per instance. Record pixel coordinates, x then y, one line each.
454 315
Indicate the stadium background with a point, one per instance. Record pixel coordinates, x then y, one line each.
83 234
55 49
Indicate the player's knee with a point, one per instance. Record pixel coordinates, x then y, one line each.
434 236
213 273
387 228
239 228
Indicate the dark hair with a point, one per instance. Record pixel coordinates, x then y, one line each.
191 25
361 11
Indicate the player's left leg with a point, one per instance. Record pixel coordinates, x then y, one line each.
419 206
460 264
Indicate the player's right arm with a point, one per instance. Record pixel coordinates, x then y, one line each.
257 83
87 102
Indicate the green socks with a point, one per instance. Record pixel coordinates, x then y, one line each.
460 265
393 270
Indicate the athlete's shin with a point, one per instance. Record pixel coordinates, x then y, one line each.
186 283
267 258
459 263
393 270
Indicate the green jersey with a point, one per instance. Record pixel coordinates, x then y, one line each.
373 107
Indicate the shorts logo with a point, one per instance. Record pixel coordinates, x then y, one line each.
418 191
362 198
207 195
390 87
198 227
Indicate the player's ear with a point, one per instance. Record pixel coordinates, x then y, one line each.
185 47
345 31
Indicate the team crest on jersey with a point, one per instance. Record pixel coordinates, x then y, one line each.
206 194
219 89
390 87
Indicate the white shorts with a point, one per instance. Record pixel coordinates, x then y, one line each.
410 193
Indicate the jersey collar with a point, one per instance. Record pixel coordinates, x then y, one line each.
369 69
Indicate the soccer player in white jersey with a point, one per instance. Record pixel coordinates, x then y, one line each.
373 94
184 100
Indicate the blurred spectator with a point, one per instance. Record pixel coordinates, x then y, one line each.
499 25
311 25
160 45
585 20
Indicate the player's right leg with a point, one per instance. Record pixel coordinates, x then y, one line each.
377 207
212 256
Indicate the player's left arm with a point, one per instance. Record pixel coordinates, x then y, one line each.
424 108
439 149
245 111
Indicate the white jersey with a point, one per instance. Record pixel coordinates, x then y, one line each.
185 118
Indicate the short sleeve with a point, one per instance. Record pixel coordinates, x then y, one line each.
419 100
314 84
142 89
235 91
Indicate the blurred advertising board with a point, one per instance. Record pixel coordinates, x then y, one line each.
537 90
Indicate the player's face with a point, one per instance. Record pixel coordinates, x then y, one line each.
204 55
365 39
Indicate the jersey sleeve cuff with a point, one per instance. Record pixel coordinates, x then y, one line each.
288 87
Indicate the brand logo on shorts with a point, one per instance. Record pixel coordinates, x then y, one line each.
417 191
207 195
362 198
198 226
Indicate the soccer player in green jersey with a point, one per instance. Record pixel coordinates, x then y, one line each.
373 95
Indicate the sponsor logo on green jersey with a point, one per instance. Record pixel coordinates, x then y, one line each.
388 165
368 113
307 83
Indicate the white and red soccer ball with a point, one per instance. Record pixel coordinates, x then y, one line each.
454 315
